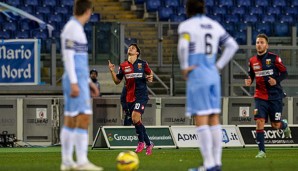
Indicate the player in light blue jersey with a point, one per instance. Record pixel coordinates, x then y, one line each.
199 40
76 90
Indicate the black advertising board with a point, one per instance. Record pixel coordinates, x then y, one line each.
273 137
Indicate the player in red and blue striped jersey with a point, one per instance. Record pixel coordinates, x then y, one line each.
136 73
268 70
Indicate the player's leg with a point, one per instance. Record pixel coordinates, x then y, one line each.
136 119
67 143
82 104
205 140
67 131
199 105
81 143
127 118
216 132
149 144
276 117
260 114
214 123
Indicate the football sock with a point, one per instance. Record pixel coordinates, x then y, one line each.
283 125
216 133
146 138
205 141
67 144
139 131
81 144
260 139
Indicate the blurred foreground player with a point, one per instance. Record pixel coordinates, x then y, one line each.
199 41
76 90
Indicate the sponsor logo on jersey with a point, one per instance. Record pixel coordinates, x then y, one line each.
256 67
264 73
134 75
127 69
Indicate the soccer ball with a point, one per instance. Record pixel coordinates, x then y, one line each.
127 161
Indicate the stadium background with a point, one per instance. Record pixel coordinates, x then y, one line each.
153 25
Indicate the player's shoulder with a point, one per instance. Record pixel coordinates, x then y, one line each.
141 61
271 54
125 63
72 28
253 58
203 19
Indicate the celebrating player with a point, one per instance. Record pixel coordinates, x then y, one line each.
136 73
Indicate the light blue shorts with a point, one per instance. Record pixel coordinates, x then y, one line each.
203 99
77 105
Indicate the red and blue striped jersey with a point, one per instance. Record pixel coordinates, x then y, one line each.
135 79
265 66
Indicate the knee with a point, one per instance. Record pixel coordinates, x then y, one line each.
275 125
260 123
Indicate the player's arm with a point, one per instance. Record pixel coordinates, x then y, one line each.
282 69
251 75
149 73
183 47
114 76
69 65
230 49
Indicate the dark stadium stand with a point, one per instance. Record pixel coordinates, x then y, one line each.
251 13
273 17
54 12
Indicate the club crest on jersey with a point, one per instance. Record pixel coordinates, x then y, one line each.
268 62
139 66
127 69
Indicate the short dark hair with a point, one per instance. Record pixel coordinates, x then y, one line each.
138 49
262 35
93 70
194 7
81 6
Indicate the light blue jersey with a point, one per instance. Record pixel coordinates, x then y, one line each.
75 57
199 40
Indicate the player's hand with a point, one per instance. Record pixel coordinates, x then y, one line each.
93 90
248 81
149 78
111 66
186 71
272 81
75 90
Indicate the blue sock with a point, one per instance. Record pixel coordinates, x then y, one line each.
283 125
146 138
139 130
260 140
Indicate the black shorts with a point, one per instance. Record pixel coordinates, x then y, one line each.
268 108
138 106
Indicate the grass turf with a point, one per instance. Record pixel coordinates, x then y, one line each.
234 159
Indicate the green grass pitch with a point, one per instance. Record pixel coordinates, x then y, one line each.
234 159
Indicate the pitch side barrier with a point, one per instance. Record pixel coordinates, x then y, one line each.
273 137
162 136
